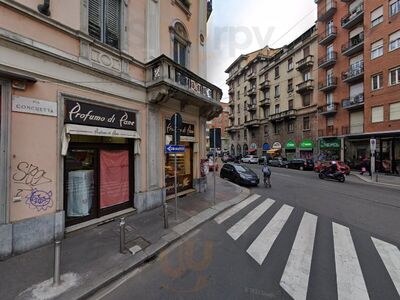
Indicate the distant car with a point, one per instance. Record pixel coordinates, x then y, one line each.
247 158
253 160
343 168
239 174
228 158
262 160
277 162
300 164
212 165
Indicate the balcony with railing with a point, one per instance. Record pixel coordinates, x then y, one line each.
354 73
328 36
265 101
251 107
326 11
328 109
353 17
165 77
280 116
329 60
305 63
252 123
252 75
328 131
329 84
353 129
265 85
354 45
354 103
252 91
305 87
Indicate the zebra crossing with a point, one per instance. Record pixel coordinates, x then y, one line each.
295 278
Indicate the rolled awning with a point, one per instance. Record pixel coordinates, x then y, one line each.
273 151
96 131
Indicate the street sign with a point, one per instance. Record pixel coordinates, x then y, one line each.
372 143
215 138
174 149
176 123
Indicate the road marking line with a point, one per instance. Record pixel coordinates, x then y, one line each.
260 247
240 227
350 280
230 212
297 271
390 255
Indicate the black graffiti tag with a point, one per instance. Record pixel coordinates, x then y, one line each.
30 176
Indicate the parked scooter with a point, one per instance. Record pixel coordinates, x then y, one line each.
326 174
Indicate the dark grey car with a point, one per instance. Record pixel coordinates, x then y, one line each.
239 174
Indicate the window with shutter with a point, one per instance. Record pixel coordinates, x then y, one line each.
377 114
104 21
394 7
377 16
395 111
377 49
394 41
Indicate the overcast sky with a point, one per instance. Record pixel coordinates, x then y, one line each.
238 27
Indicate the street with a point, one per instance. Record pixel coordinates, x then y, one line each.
304 238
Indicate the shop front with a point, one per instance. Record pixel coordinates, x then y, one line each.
330 149
266 147
306 149
276 150
253 149
184 160
239 150
245 149
99 145
290 150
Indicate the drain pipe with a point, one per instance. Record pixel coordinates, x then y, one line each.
44 8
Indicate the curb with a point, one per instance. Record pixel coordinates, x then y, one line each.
375 183
146 255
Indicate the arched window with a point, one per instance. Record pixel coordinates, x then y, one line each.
232 149
245 149
180 43
239 150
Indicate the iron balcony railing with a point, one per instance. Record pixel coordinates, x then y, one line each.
328 84
354 102
354 45
328 36
354 17
328 60
326 11
305 63
328 109
354 73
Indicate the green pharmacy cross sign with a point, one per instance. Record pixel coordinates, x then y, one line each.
290 145
306 145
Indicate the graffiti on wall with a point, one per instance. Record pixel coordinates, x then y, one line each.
31 181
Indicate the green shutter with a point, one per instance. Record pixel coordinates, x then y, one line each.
112 22
95 18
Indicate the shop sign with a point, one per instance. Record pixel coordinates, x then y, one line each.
266 147
82 113
186 129
329 144
276 145
34 106
306 145
174 149
290 145
372 143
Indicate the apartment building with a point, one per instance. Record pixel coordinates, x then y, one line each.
359 66
87 91
278 100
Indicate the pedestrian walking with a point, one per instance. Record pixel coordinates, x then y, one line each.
267 175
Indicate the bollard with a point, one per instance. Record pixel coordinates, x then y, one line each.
57 258
122 235
165 215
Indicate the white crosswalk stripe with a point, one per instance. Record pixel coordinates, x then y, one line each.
259 249
297 271
390 255
235 209
350 280
240 227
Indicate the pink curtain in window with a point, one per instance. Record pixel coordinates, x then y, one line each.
114 178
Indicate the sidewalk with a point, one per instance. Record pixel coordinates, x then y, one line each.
379 179
90 258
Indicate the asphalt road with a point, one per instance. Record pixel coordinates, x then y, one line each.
304 238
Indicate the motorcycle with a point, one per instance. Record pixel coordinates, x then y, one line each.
325 174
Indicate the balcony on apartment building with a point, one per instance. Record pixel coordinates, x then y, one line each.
353 17
305 63
251 123
329 60
231 116
265 85
326 11
252 75
328 36
251 107
329 84
166 77
354 102
354 73
252 91
354 45
305 87
231 128
328 131
231 90
287 114
265 101
353 129
231 103
328 109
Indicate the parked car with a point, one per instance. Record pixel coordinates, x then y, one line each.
212 165
253 160
239 174
247 158
277 162
343 168
301 164
262 160
228 158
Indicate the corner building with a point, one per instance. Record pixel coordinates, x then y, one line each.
358 70
87 91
